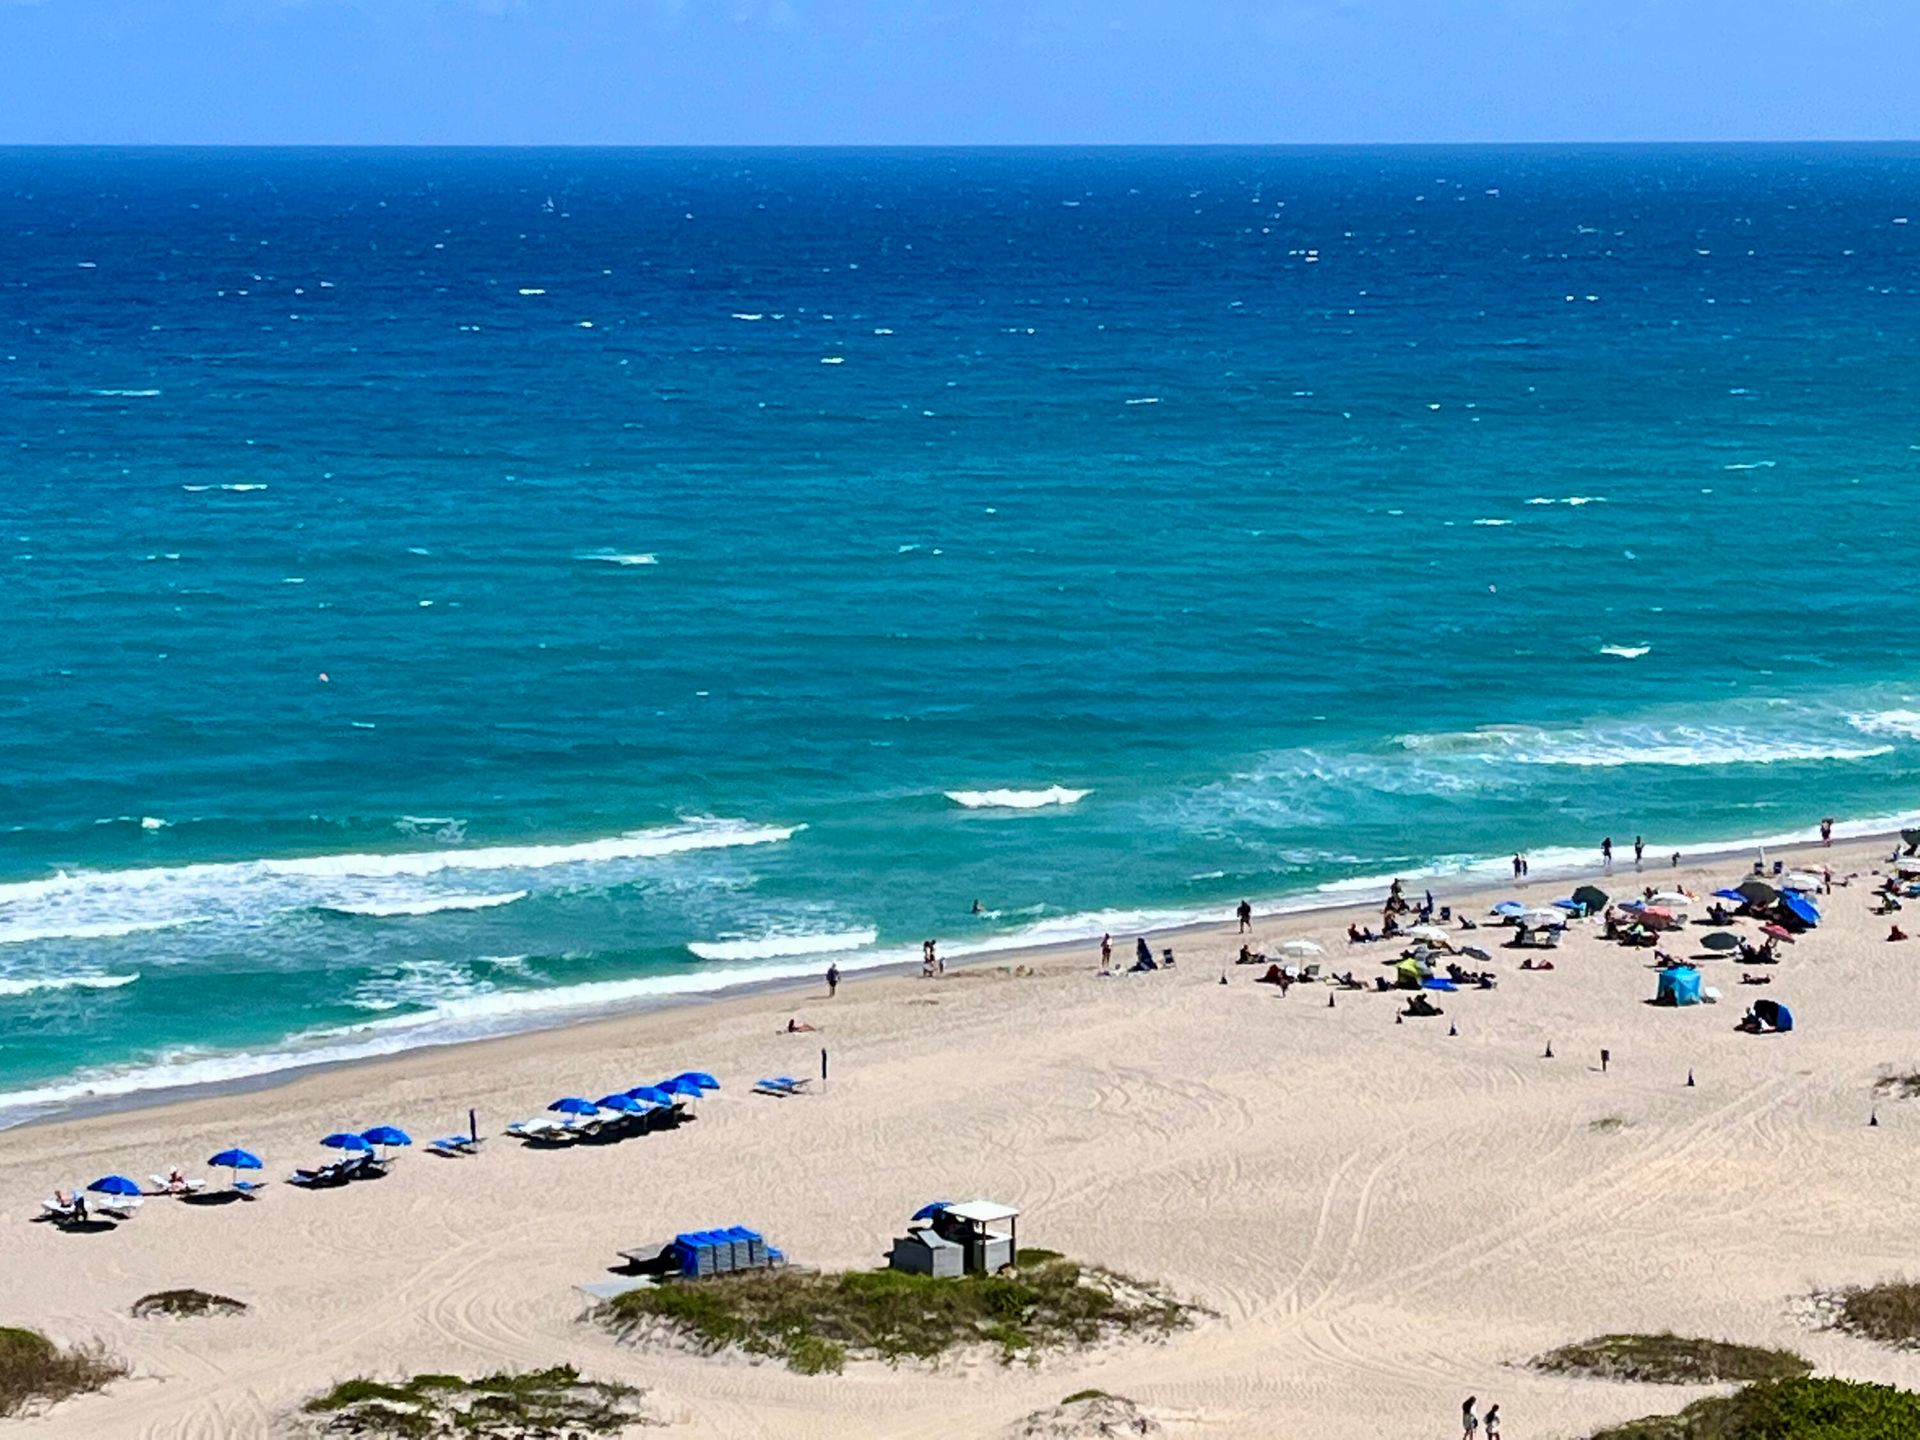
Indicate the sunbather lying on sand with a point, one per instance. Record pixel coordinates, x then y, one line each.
1358 936
1746 979
1531 964
1419 1005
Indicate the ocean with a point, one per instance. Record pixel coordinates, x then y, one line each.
457 591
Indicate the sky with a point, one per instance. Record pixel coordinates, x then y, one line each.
954 72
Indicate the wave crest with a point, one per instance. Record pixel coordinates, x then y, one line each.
1017 799
774 947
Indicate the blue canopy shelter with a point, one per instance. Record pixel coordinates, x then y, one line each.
1678 986
1773 1014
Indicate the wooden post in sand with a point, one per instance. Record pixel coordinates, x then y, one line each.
823 1067
1605 1056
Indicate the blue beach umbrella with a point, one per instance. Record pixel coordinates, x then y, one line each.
1803 908
700 1078
927 1212
115 1185
236 1160
652 1094
1733 895
1510 909
682 1085
625 1104
1573 905
387 1135
346 1140
574 1105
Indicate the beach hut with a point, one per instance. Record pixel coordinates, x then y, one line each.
973 1227
1678 986
924 1251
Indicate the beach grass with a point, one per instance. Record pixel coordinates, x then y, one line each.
1795 1409
1888 1313
1900 1086
816 1323
186 1304
1669 1359
495 1407
35 1371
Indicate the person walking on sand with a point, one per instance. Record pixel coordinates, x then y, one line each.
1493 1422
1106 954
1639 849
1245 912
833 979
1606 855
1469 1420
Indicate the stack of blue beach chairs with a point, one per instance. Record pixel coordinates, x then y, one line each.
700 1253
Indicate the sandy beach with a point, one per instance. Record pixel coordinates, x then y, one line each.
1383 1218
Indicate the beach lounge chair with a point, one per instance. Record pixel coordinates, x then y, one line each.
454 1146
779 1085
166 1185
60 1213
544 1130
120 1207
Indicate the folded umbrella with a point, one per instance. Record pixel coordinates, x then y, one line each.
927 1212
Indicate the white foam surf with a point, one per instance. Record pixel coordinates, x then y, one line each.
13 987
1626 652
390 909
82 930
613 557
1017 799
1663 745
773 947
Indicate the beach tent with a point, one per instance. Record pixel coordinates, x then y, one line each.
1773 1014
1678 986
1408 974
1591 896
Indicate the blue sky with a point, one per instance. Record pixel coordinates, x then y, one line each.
954 71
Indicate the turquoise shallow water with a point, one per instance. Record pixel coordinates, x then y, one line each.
735 550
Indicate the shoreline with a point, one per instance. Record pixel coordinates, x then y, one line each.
1320 905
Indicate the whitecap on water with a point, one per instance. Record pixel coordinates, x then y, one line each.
1017 799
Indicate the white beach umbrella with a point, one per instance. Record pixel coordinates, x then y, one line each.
1301 947
1671 900
1537 919
1801 880
1435 933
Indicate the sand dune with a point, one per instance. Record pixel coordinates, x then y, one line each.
1384 1217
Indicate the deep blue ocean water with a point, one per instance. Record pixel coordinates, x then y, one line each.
441 587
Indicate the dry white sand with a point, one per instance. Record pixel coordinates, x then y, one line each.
1385 1218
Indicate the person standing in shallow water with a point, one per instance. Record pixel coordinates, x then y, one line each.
1639 849
1245 912
1606 855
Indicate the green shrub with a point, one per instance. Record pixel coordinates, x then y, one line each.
494 1407
1798 1409
815 1322
1669 1359
34 1370
186 1303
1888 1313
